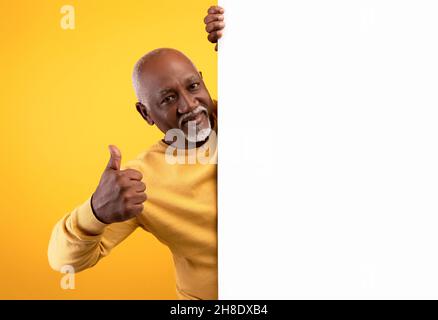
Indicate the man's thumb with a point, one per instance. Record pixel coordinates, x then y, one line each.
116 158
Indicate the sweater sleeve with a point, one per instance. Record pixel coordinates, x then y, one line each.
80 240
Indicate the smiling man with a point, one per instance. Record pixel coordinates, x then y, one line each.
175 202
171 94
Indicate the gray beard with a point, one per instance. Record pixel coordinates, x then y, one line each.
195 134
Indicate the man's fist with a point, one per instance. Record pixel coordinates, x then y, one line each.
214 24
120 193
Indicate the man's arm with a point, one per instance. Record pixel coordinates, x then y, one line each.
214 24
90 231
80 240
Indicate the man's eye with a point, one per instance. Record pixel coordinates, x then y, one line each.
168 99
194 86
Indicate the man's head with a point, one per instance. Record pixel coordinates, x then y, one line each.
171 92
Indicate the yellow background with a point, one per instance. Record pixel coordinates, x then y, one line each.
66 95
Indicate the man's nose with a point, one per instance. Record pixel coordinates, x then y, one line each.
187 103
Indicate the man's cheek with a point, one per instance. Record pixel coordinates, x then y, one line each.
172 120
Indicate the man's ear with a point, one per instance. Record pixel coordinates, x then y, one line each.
144 113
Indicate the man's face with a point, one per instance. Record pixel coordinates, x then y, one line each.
175 94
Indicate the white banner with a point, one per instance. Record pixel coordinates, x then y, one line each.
328 150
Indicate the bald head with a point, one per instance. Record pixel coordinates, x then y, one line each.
158 56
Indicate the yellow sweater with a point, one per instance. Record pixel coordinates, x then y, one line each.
181 212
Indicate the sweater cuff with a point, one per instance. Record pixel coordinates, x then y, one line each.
87 221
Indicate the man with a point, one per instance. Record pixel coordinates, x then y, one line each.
174 201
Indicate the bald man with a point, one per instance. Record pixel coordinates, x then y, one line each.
174 199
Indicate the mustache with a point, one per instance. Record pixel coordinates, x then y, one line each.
192 114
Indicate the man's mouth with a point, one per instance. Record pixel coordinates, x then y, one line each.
197 118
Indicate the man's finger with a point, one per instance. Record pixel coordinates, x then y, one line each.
115 158
135 209
214 26
139 186
138 198
216 9
213 17
214 36
133 174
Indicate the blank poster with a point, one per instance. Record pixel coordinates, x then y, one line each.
328 150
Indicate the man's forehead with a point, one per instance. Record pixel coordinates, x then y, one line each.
162 69
165 87
158 76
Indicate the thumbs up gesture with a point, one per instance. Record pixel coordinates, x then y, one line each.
120 193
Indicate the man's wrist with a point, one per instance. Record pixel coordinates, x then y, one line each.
94 211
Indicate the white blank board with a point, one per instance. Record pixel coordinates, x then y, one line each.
328 150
